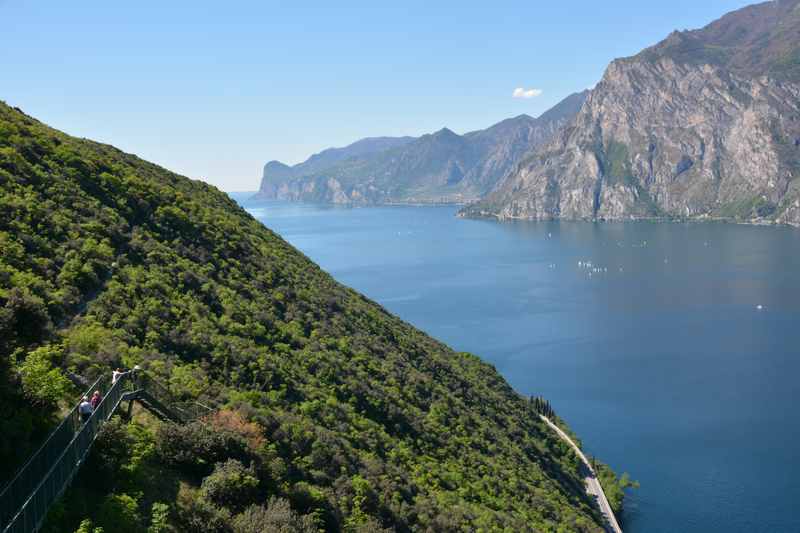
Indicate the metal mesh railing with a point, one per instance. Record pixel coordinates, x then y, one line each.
183 411
31 473
26 500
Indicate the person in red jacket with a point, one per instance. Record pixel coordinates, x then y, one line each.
96 399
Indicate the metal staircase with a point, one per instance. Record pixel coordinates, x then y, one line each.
25 500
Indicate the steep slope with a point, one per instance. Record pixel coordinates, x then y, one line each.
704 124
354 417
442 167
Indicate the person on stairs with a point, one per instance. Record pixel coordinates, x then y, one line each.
85 409
96 399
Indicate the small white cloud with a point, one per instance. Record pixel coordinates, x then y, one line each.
521 92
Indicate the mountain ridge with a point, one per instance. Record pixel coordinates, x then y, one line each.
439 167
701 125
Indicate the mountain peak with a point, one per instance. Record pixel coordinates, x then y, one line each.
275 164
277 170
702 124
445 132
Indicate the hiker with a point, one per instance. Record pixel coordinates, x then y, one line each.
85 409
116 374
96 399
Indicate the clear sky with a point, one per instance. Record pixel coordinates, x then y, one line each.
213 90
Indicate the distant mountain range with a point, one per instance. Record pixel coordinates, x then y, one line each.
705 124
441 167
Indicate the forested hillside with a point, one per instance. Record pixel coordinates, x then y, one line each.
336 415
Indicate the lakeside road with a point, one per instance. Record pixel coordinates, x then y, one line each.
593 487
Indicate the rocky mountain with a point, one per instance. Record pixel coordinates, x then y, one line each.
441 167
704 124
275 170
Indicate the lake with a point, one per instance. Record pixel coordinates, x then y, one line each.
674 356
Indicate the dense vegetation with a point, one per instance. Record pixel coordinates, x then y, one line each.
336 415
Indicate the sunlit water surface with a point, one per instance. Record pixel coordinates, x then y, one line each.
658 354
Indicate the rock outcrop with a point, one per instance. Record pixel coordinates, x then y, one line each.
704 124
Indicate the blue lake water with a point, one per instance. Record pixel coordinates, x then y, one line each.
661 362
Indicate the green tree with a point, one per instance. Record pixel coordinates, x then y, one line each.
42 381
120 513
230 485
159 519
87 527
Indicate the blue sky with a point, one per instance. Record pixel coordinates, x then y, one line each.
215 89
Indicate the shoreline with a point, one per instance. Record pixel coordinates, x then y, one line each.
504 219
654 219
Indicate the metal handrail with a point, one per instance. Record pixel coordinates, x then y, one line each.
28 475
37 485
185 411
33 510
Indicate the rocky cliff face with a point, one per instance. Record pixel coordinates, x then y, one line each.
704 124
442 167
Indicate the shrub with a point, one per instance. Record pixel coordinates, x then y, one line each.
120 513
110 453
159 521
42 381
86 526
194 448
25 319
276 517
198 514
234 422
231 485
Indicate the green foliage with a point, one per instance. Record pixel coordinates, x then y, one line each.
120 261
159 521
542 406
120 513
230 485
195 448
110 453
615 159
24 316
198 514
42 381
748 208
614 486
617 163
276 517
87 527
358 515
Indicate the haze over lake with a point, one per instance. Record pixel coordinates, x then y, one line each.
673 356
